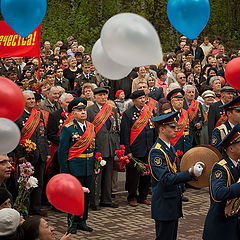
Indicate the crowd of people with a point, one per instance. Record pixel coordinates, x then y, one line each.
73 113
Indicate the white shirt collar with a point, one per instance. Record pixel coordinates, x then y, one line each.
82 125
231 124
234 162
99 106
27 111
168 144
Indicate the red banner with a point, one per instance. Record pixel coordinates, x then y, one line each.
12 45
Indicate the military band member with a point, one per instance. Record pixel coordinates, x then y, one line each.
32 126
216 115
222 219
76 155
104 118
137 135
232 113
166 178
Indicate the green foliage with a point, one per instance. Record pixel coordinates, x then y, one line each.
85 20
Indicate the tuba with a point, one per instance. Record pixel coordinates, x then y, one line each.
205 155
232 206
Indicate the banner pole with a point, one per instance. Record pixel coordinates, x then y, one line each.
39 62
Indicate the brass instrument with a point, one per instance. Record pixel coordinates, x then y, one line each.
232 206
205 155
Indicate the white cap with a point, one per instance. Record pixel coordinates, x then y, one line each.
9 221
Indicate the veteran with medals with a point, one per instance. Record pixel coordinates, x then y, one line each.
104 118
232 113
76 154
137 135
166 178
222 219
183 139
32 127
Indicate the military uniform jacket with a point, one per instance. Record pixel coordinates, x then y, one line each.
219 133
78 166
166 192
144 141
214 115
39 137
108 140
197 119
217 226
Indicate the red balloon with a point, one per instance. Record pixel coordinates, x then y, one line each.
222 80
65 193
232 73
11 99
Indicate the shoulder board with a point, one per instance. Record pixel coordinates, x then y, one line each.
222 162
158 146
220 127
69 124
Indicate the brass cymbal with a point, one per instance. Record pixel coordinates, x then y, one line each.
206 154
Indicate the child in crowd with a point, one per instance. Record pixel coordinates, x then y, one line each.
120 101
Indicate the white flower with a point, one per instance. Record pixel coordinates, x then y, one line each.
32 182
103 163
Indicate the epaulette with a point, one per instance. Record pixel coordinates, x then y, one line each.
222 162
69 124
168 110
158 146
220 127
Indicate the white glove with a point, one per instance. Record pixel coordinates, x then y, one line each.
197 170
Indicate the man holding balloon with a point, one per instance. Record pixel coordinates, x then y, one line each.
76 156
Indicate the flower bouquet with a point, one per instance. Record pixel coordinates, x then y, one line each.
142 168
100 161
28 147
120 161
26 183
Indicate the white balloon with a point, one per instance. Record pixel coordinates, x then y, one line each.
9 135
131 40
105 66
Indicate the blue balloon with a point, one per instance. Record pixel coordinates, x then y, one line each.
23 16
189 17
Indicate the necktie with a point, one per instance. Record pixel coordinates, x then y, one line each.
84 128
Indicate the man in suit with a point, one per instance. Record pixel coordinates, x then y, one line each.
216 116
232 111
104 118
60 80
51 103
137 135
195 112
84 77
222 219
76 155
56 121
32 126
166 177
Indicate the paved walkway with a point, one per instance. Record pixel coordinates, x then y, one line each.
132 223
